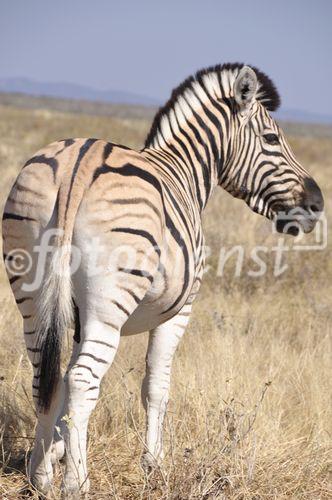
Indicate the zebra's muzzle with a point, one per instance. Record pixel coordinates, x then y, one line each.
302 217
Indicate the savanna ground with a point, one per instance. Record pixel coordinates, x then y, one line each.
250 409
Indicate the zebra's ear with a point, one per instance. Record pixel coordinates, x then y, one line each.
245 88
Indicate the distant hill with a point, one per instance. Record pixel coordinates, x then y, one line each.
72 91
295 123
63 90
95 108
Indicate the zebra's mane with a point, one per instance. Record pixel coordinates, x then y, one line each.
217 81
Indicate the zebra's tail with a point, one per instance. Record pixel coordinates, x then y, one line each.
54 316
55 303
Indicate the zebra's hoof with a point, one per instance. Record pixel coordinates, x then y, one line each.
72 490
42 484
150 463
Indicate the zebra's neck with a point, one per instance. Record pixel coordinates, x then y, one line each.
190 135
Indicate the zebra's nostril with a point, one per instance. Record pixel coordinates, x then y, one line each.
313 198
314 208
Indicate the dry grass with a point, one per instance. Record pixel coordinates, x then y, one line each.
249 416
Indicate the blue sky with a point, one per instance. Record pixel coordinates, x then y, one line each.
148 47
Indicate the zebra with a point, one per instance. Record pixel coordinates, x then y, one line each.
137 216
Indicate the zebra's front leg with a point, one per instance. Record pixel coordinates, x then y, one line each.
163 342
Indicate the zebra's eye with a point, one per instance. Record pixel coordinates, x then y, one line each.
271 138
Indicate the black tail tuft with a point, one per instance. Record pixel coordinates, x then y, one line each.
49 370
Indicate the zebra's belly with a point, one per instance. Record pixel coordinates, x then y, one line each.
142 320
153 310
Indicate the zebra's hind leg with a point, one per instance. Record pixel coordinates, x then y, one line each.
93 357
40 470
58 447
163 342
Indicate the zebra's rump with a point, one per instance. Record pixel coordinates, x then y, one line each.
109 202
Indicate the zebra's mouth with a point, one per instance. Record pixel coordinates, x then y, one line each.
295 220
287 226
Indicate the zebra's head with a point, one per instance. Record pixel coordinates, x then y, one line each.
260 166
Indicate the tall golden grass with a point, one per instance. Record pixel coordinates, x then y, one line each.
250 409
